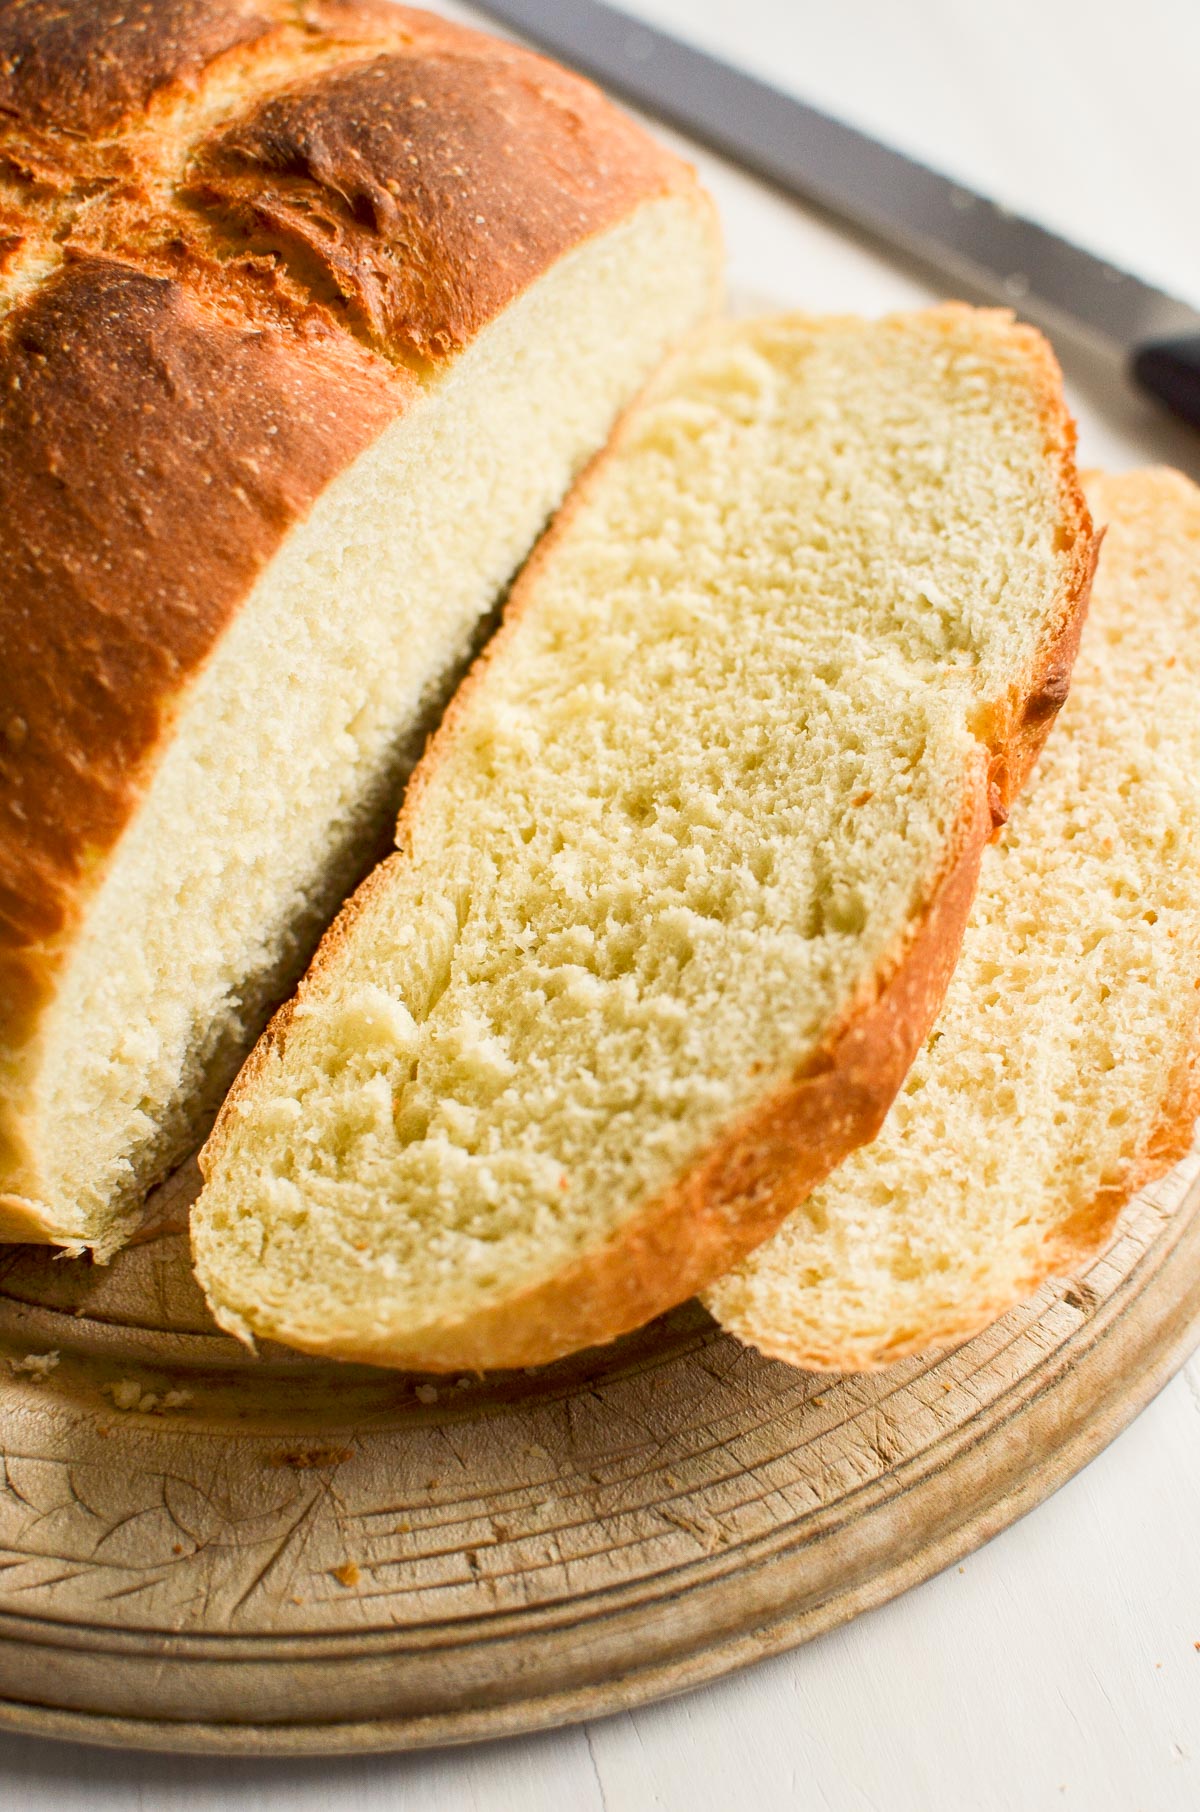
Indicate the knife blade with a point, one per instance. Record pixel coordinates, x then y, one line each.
903 204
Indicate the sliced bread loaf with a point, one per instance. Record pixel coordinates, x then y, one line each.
1061 1073
682 877
310 312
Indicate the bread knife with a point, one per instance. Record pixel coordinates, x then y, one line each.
903 204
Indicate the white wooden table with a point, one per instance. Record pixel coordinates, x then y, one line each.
1060 1667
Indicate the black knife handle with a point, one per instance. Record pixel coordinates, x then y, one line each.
1170 371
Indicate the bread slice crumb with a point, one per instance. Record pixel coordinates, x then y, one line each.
681 879
1061 1076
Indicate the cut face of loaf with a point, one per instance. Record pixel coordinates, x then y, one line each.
1060 1077
309 316
682 877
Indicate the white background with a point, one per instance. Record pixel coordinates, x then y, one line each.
1060 1667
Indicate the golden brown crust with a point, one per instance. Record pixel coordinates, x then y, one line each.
86 68
23 1223
1018 740
430 186
736 1196
149 450
172 400
152 456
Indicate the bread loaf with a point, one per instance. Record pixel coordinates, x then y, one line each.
1061 1074
683 875
310 310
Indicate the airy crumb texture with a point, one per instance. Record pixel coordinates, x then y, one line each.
1060 1076
724 770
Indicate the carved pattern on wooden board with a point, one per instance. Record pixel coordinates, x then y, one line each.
199 1548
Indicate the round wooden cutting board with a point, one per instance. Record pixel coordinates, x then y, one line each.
203 1550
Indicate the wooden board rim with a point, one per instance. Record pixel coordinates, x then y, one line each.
1089 1388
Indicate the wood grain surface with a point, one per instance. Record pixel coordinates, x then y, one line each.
1057 1666
206 1549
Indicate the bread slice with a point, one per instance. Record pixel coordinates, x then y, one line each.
682 877
1061 1075
310 312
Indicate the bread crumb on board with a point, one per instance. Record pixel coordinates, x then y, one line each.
348 1574
35 1366
129 1396
309 1459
